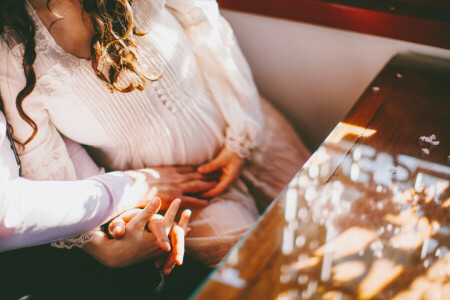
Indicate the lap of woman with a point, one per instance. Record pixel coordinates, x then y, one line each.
217 227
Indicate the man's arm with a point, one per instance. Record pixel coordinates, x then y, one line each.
38 212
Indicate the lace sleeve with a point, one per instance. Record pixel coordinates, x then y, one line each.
46 156
225 70
75 241
238 142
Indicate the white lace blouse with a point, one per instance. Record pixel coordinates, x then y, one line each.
205 99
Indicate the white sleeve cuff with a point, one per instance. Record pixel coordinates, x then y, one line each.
123 195
239 143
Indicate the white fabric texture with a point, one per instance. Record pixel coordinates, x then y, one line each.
205 100
222 61
38 212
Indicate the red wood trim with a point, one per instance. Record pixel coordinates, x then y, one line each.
386 24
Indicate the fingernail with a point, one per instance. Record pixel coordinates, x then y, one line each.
179 259
118 231
166 246
201 169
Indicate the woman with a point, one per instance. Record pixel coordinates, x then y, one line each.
182 94
38 212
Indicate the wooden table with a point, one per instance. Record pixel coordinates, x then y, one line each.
368 215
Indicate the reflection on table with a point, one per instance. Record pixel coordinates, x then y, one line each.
377 226
368 216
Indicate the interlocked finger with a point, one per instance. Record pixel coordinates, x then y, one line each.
197 186
184 219
177 234
171 213
117 228
184 169
159 230
169 264
192 202
195 175
177 237
146 214
130 214
225 181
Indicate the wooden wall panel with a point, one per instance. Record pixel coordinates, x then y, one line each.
411 28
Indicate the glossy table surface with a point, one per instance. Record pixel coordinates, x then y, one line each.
368 215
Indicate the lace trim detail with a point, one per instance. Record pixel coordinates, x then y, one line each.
45 45
58 73
239 143
75 241
45 41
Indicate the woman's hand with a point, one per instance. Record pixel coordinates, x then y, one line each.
170 183
177 235
162 228
230 163
138 244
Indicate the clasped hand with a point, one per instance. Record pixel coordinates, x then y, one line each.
148 234
188 183
169 183
139 234
228 164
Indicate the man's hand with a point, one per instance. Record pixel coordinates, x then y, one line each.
138 243
170 183
230 164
